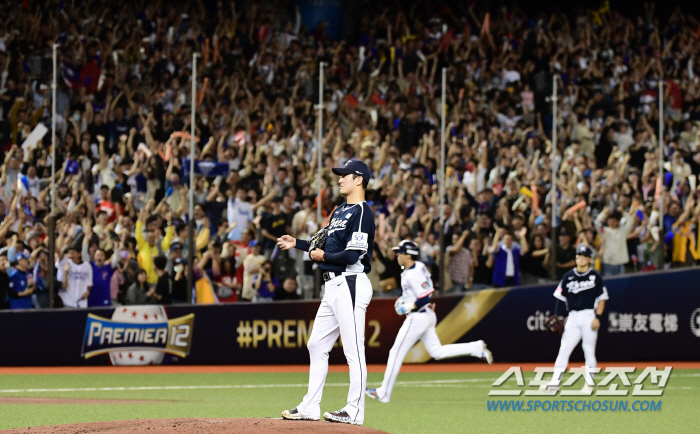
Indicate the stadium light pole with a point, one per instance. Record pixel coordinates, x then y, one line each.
553 188
190 195
52 217
442 182
661 173
319 156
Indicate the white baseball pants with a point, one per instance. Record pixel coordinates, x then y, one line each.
342 312
578 326
420 326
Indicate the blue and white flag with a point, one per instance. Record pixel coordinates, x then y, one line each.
210 169
22 185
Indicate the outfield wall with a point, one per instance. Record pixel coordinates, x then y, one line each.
651 316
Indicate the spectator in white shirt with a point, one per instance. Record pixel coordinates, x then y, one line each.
76 279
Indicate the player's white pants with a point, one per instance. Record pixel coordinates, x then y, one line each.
342 312
578 326
421 326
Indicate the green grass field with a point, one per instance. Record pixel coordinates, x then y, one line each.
421 403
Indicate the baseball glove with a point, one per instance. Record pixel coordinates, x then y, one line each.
318 240
554 324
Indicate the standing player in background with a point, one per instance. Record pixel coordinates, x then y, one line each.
420 321
348 291
583 292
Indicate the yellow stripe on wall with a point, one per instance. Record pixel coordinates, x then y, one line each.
468 312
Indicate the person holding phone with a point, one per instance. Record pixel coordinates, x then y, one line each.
264 284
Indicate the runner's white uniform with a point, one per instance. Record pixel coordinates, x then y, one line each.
419 325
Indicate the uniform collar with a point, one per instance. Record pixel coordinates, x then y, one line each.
582 274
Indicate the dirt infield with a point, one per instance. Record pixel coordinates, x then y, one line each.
254 369
177 426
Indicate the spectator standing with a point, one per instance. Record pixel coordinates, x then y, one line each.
460 266
164 287
566 254
614 241
274 225
75 277
21 283
506 271
100 294
149 246
251 266
483 264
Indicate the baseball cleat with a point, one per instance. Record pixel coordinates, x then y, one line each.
372 393
294 414
341 416
486 355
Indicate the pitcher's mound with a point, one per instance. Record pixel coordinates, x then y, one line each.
182 426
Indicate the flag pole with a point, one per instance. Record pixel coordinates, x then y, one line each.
442 182
52 217
661 174
319 156
190 197
553 188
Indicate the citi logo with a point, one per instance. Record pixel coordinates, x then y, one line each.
536 322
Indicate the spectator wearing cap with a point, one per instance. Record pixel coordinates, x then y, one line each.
251 266
21 283
506 270
614 240
460 265
566 254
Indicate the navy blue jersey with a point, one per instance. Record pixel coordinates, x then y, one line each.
351 228
581 290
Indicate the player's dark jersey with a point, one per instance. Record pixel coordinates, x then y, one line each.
581 290
351 228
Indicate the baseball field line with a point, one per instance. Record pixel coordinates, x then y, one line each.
261 369
419 383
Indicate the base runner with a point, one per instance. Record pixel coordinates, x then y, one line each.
420 322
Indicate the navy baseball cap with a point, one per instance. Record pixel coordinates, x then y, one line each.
355 167
584 251
407 247
21 255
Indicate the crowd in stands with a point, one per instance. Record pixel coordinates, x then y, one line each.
122 146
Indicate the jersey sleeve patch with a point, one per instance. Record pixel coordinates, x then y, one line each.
358 241
558 294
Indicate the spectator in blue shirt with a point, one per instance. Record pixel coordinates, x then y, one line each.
21 284
100 294
264 284
506 270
